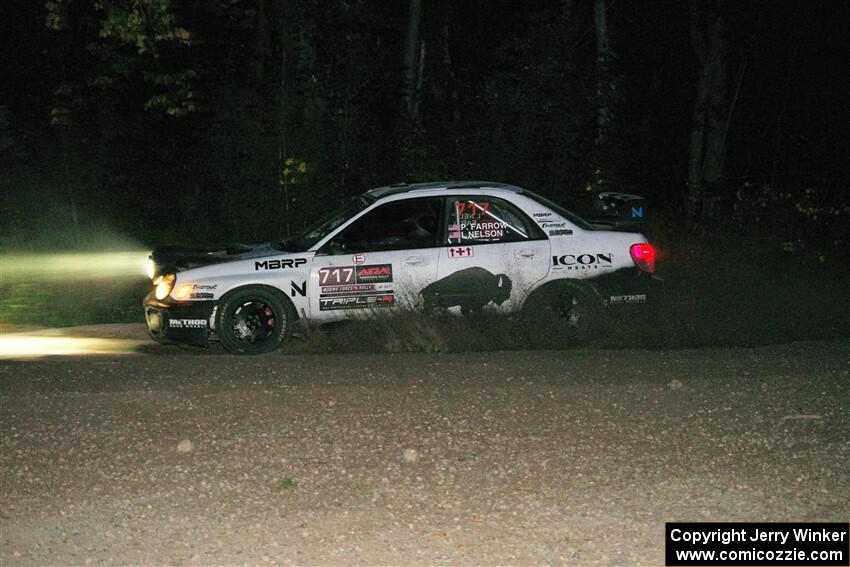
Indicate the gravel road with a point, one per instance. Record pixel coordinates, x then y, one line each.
571 457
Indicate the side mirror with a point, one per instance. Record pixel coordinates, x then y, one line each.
332 248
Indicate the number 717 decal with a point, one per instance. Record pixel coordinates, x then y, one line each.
336 276
475 209
345 275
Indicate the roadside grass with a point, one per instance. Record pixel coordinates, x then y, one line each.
35 303
413 332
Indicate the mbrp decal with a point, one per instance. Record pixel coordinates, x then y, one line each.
187 323
460 252
279 264
541 215
583 261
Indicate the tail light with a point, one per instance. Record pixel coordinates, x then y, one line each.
643 256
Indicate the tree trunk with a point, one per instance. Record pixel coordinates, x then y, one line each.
262 39
300 110
412 62
410 130
605 96
69 183
777 145
283 122
454 95
707 147
603 79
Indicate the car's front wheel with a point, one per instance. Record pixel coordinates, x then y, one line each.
562 314
253 320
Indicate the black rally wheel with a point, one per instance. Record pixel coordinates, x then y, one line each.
561 315
253 320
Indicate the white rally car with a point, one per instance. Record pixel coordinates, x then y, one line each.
431 247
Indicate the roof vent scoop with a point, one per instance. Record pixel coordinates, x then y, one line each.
621 211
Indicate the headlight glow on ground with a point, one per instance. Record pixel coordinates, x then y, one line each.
15 346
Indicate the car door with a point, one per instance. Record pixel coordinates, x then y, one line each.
381 261
492 256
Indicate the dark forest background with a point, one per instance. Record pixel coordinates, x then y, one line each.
130 123
240 120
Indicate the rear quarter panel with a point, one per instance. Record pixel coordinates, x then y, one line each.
590 254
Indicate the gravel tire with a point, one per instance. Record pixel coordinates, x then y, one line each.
254 320
561 315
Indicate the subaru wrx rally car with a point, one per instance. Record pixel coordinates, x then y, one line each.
461 247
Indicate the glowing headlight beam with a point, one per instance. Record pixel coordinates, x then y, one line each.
75 265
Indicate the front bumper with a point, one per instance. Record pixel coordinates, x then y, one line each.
170 322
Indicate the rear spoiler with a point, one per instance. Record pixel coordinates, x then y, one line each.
619 211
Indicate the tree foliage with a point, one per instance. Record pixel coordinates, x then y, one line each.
186 119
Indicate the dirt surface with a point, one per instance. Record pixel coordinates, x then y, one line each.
572 457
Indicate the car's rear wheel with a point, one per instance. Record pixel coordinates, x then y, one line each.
254 320
562 314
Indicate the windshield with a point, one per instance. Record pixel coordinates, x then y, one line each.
314 233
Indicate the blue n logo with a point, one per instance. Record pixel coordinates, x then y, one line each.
637 213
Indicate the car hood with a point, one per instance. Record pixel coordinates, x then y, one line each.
180 258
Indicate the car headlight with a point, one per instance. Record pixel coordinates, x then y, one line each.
184 291
163 285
